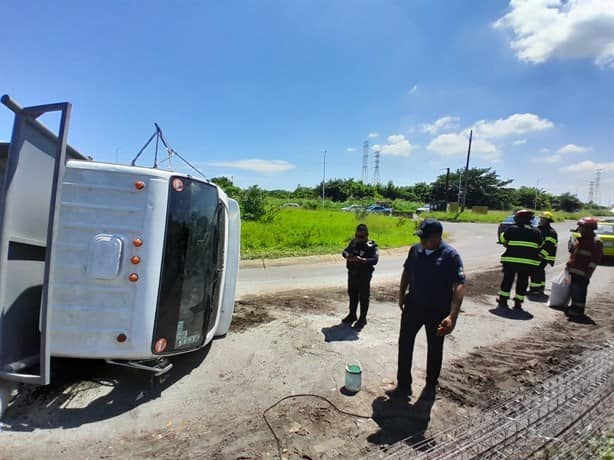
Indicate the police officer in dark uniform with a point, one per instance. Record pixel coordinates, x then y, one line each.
361 256
521 257
548 252
434 274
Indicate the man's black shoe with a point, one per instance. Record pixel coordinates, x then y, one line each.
501 302
399 393
360 323
517 305
349 319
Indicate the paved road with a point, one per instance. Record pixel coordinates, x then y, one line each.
475 242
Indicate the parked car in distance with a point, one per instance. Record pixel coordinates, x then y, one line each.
377 209
423 210
290 205
352 208
508 222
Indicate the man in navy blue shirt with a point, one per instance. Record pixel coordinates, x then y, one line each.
434 274
361 257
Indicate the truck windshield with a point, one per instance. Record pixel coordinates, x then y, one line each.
189 268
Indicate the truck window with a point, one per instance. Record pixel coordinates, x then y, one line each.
189 268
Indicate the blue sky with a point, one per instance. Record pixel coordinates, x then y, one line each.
257 90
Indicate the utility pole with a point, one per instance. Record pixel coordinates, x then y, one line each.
466 172
597 185
324 178
447 186
536 192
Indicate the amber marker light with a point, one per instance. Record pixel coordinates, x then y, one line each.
160 345
135 260
139 185
137 242
133 277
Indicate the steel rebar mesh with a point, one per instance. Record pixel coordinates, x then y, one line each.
555 419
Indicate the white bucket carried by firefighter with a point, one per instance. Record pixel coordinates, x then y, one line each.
561 290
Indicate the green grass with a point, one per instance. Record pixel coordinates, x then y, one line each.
299 232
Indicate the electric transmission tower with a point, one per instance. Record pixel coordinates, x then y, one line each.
597 183
365 160
376 178
591 191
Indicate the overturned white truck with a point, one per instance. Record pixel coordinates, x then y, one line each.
123 263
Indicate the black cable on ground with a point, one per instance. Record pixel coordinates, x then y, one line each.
322 398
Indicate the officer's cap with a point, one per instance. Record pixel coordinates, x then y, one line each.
429 227
362 228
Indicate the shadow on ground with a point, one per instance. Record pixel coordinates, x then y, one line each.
399 420
511 313
74 384
340 333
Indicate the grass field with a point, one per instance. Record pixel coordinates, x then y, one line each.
298 232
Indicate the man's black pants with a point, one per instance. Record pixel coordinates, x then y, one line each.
359 290
538 277
521 273
411 322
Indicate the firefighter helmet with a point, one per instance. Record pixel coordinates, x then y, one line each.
588 223
523 215
548 215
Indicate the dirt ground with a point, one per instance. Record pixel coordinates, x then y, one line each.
291 343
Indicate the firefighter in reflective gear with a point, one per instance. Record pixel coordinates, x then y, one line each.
547 251
585 254
521 257
361 257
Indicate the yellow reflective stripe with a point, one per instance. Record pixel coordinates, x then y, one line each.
502 238
518 260
519 297
551 239
550 258
504 294
544 253
543 283
524 244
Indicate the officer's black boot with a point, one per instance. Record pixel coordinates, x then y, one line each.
350 318
517 304
501 302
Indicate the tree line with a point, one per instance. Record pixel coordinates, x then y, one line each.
484 188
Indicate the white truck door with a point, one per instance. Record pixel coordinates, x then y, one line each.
33 172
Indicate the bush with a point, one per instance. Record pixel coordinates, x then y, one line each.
253 203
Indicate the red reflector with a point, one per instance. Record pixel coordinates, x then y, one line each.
160 345
135 260
137 242
133 277
121 338
139 185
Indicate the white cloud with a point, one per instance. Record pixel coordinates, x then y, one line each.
398 145
563 29
588 166
373 135
514 125
256 164
413 89
447 122
572 148
520 142
350 149
550 159
452 144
